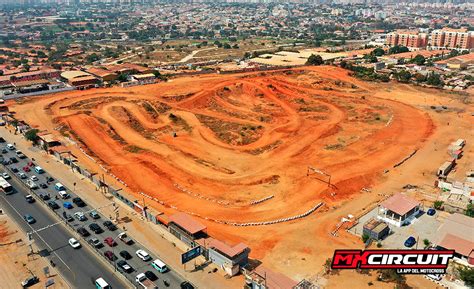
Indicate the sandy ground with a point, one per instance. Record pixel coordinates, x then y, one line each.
245 137
15 265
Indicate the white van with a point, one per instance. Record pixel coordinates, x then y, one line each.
59 187
63 194
159 265
101 284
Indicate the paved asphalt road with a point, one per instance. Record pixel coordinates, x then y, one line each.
77 266
89 266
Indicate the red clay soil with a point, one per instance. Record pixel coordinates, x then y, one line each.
240 138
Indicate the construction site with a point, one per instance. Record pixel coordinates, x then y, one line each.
273 159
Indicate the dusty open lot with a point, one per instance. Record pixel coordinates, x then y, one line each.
16 265
244 138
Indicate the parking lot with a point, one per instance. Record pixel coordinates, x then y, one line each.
422 227
87 222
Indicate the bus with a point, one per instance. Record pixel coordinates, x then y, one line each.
101 284
5 186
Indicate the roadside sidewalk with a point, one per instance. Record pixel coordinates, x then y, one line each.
153 237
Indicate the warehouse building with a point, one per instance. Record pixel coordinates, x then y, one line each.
80 79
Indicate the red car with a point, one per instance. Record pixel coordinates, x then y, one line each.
109 255
109 241
30 164
26 169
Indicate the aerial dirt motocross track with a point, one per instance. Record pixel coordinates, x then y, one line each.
236 148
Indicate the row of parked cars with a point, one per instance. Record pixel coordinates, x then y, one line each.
88 225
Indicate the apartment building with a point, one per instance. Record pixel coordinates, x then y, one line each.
414 40
449 38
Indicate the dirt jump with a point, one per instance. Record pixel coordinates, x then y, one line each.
239 149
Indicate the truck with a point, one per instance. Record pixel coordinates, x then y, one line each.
144 281
124 238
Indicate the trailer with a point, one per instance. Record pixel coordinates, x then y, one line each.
445 168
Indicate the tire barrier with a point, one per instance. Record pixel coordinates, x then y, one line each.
261 200
405 159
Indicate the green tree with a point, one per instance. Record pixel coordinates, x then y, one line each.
122 77
314 60
32 135
467 275
419 59
378 52
403 76
227 46
470 211
434 79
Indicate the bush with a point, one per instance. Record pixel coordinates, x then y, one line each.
467 275
438 204
365 237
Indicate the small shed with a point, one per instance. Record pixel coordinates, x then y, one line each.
376 229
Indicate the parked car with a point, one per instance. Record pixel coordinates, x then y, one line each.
13 160
109 255
125 255
49 179
44 196
96 243
68 217
94 215
110 241
124 266
26 169
15 170
186 285
34 178
83 232
29 219
143 255
29 281
150 275
5 162
431 212
67 205
22 176
124 238
74 243
95 228
410 242
63 195
79 202
43 186
30 199
53 205
110 226
2 140
4 151
20 155
10 147
80 216
5 176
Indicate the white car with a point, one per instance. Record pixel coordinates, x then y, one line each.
34 178
10 147
80 216
143 255
5 176
74 243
